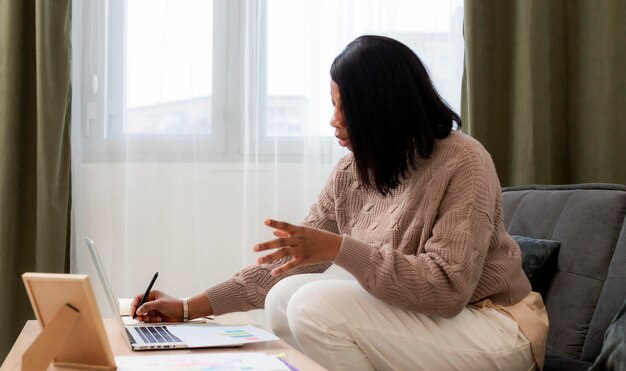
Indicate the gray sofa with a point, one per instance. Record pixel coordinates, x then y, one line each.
584 284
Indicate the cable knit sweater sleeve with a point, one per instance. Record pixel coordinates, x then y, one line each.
454 225
248 288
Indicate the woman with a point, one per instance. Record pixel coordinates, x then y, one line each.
414 216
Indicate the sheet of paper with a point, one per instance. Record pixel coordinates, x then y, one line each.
216 335
248 361
124 304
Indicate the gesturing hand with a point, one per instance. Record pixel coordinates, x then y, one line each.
305 245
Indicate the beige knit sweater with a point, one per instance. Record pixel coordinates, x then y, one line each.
434 245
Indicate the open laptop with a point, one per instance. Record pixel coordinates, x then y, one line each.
144 336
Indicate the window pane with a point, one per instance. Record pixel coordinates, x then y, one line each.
287 101
305 36
169 66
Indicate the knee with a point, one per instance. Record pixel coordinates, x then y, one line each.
302 317
313 304
277 299
301 302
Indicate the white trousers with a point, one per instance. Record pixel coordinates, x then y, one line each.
334 321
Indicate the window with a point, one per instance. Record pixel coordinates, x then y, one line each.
169 78
169 67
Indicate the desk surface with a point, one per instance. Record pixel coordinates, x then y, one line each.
296 359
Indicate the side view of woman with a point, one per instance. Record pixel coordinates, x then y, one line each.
422 274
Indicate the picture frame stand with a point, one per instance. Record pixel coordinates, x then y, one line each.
42 351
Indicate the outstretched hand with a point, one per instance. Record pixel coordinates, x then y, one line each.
305 245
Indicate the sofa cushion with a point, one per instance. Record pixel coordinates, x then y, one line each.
613 354
611 299
558 363
535 254
587 219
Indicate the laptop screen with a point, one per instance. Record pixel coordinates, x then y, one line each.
102 277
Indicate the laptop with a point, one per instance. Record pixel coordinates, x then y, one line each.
145 336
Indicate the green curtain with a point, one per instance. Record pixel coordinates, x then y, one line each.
544 88
35 97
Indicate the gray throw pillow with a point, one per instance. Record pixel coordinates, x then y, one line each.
613 354
535 255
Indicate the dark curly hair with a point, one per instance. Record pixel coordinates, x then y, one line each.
392 111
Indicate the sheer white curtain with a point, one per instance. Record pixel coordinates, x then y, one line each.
194 120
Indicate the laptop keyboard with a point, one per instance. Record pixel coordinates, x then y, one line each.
156 334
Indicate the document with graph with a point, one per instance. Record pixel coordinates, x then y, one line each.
220 335
202 361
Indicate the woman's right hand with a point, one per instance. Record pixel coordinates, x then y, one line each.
158 307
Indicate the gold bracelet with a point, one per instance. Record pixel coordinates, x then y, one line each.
185 310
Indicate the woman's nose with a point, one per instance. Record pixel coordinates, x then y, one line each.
334 121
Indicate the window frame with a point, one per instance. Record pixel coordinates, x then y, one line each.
103 89
239 35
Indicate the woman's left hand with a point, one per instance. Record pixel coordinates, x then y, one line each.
305 245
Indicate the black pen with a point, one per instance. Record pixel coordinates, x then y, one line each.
145 294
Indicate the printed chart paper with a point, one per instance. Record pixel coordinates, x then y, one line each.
220 335
249 361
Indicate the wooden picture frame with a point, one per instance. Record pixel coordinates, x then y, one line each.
73 333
